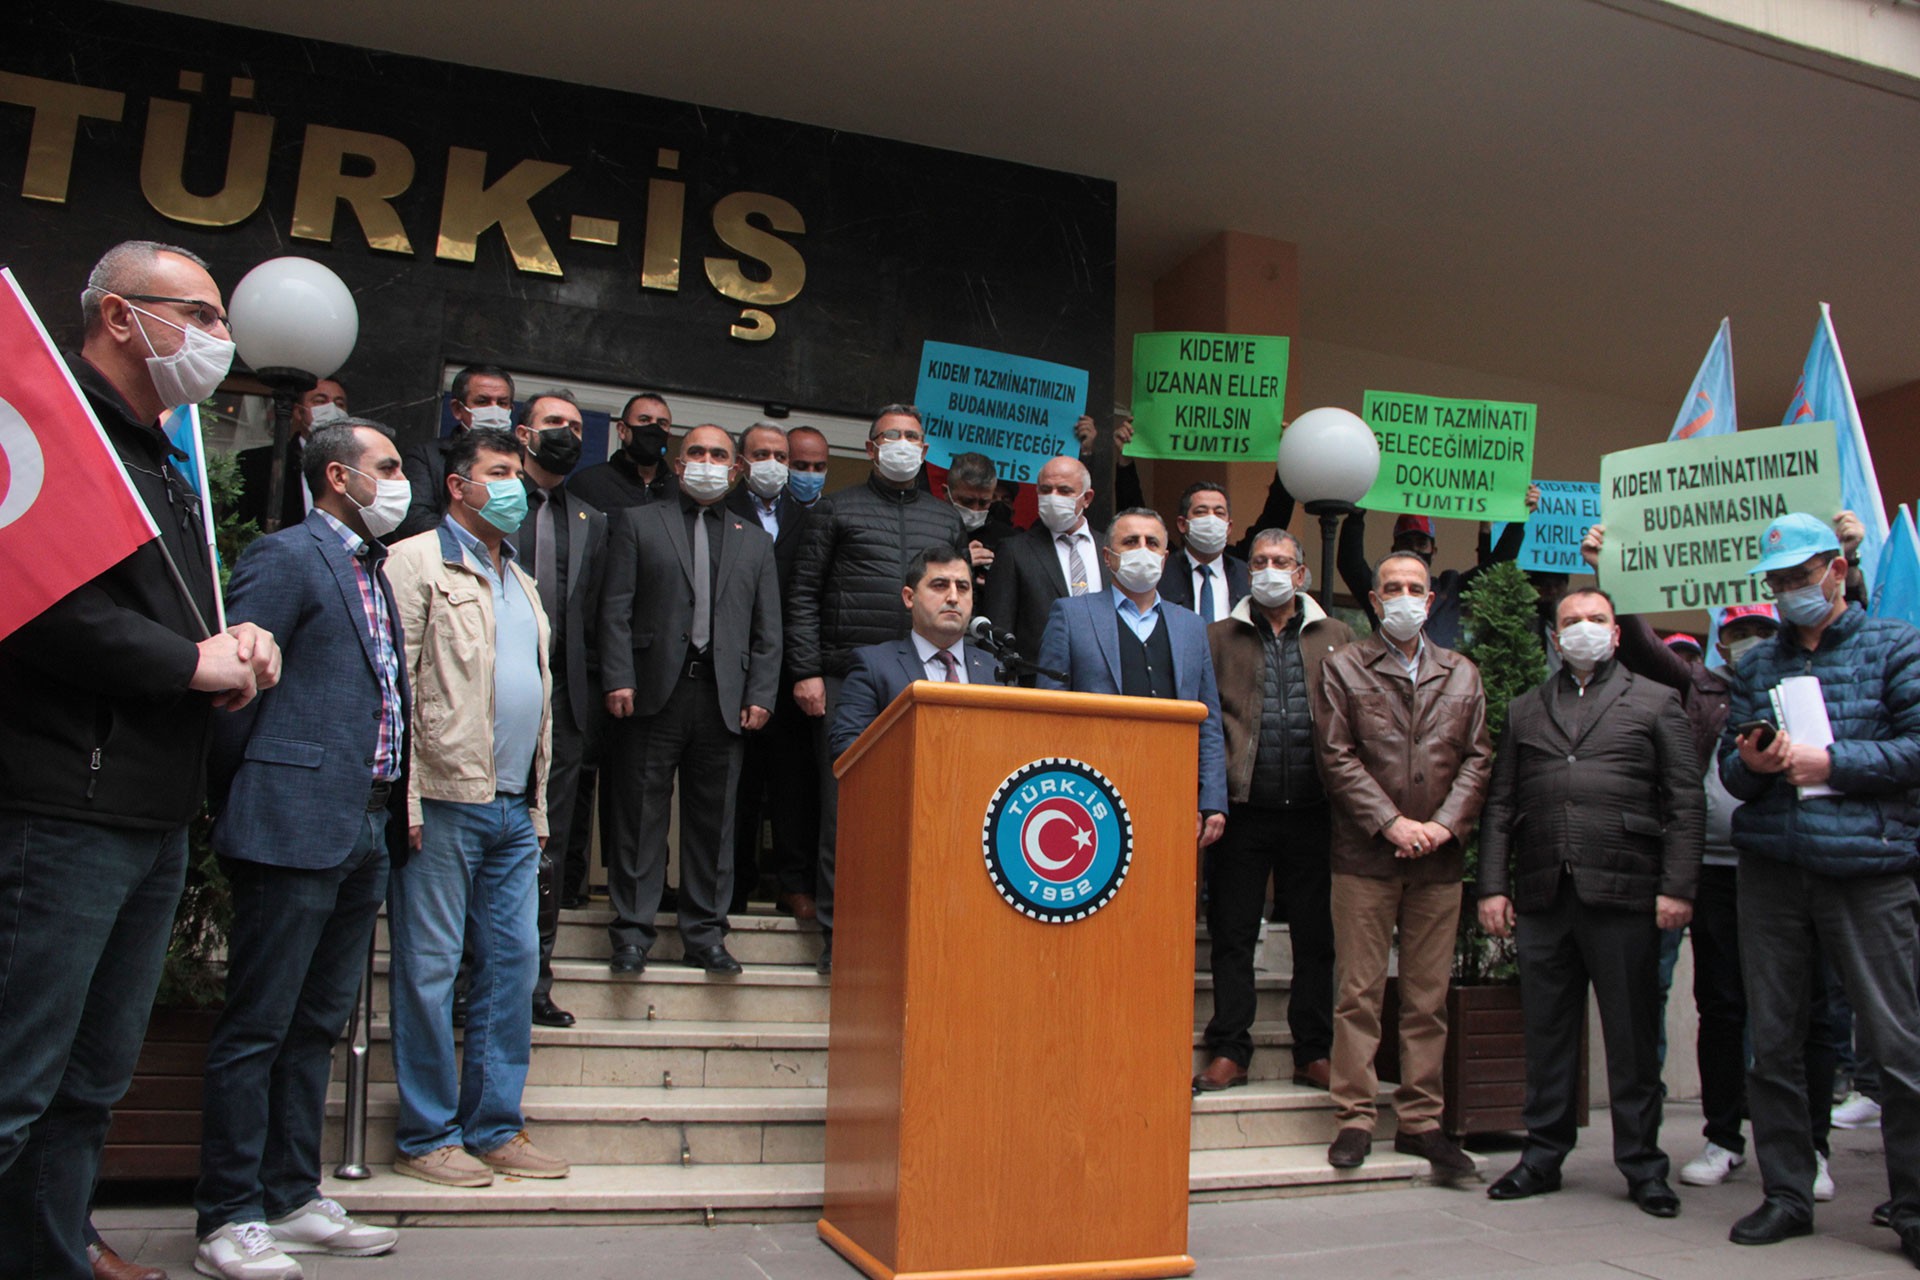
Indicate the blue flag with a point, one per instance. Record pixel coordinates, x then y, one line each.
1825 394
1897 592
1708 409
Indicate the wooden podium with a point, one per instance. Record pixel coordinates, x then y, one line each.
1008 1097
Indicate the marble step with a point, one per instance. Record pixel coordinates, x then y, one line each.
601 1195
695 1055
646 1125
673 992
761 938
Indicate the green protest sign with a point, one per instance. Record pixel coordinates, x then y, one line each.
1470 459
1207 395
1684 519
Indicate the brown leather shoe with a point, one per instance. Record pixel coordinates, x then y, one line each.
108 1265
1221 1073
798 905
1449 1162
1350 1148
1318 1073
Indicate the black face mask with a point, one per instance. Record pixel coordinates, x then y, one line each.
557 449
647 444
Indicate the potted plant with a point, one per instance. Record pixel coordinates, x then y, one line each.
155 1131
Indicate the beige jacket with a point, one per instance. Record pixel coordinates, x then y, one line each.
446 615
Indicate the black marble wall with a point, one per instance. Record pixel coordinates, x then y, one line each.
901 243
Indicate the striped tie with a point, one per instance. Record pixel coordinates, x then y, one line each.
1076 567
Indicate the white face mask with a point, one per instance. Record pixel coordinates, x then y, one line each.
706 481
1585 645
1139 570
1272 588
326 411
1207 535
1737 649
969 517
192 373
898 460
1059 512
498 417
767 478
1403 616
391 498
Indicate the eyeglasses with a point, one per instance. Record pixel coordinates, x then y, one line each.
1794 579
204 314
896 434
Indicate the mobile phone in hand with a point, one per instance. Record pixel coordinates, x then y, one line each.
1759 727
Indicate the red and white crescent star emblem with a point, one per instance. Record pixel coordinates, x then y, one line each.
1058 839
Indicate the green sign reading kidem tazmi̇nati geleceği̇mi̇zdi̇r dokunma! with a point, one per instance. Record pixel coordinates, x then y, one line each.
1685 519
1215 396
1465 459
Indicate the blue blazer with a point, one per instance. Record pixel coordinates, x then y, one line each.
880 672
291 770
1083 640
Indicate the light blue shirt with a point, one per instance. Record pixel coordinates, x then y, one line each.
1141 623
517 703
1409 665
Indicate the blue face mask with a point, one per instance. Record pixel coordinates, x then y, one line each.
506 505
806 486
1804 606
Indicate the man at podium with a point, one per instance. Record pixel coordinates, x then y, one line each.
938 592
1127 640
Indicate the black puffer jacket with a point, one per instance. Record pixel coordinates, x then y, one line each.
846 584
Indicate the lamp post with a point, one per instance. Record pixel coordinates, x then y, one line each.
1328 460
295 323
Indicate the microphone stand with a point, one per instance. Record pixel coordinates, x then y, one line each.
1002 646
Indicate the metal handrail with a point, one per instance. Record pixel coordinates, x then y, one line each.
353 1161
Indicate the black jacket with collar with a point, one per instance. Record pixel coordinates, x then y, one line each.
1617 803
99 724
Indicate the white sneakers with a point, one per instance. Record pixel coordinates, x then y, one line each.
1711 1167
1857 1112
244 1251
258 1250
1822 1180
322 1226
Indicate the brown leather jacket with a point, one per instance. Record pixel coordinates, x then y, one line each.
1239 665
1391 750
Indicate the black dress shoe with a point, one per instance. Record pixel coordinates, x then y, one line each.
1910 1244
714 959
1525 1180
1883 1214
628 960
1771 1223
574 902
549 1014
1654 1196
824 965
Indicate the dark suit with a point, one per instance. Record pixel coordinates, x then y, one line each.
1176 582
1083 639
777 770
1595 808
1025 580
686 707
256 478
880 672
306 852
426 468
578 706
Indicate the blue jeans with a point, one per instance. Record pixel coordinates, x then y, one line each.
295 958
475 876
85 912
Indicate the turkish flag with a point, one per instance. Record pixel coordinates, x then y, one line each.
67 510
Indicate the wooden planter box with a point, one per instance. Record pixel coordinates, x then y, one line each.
156 1128
1485 1079
1486 1073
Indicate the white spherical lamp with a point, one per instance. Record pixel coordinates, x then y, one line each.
294 314
1328 455
294 323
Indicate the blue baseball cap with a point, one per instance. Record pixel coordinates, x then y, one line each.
1794 539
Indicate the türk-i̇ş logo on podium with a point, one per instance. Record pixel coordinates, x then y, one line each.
1058 840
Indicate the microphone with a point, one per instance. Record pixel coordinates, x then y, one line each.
981 632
